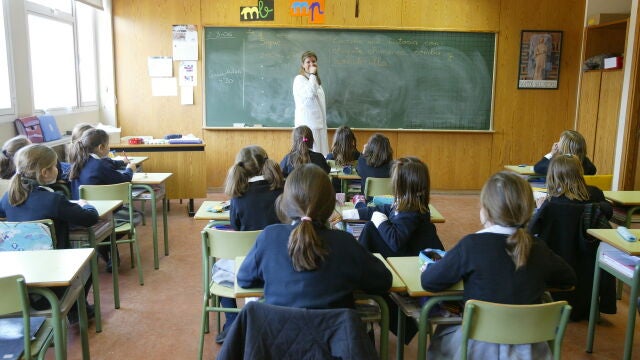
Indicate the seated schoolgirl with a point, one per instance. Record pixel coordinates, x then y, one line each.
30 199
561 222
9 150
500 263
571 142
344 151
403 228
376 159
301 262
253 182
301 152
91 164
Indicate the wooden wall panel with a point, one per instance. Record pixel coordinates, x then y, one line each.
526 122
588 108
606 131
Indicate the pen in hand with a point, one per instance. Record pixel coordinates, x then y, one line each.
126 158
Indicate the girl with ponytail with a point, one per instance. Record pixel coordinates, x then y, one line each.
9 150
301 153
253 183
29 198
302 262
500 263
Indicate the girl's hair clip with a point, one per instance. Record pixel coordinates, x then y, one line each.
304 139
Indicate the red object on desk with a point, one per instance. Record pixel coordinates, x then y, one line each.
136 141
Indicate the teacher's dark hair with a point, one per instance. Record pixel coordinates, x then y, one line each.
308 200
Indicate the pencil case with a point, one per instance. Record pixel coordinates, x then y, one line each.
626 234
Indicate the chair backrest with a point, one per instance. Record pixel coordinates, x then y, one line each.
377 186
225 244
121 191
27 235
14 299
514 324
331 163
603 182
4 186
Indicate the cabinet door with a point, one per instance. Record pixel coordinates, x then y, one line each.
588 108
607 125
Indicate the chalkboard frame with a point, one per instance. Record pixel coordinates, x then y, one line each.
260 126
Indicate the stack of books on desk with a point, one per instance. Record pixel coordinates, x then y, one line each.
624 263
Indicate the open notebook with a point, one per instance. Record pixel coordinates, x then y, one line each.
11 332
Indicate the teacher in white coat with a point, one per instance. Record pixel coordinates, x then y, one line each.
311 107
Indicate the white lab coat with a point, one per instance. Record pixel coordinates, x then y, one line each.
311 110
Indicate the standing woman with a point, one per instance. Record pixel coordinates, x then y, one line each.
311 107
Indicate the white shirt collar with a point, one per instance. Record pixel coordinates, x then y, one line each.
256 178
95 156
498 229
46 188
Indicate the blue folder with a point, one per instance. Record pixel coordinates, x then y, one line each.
11 336
49 127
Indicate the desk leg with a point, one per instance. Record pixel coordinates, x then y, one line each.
190 208
154 221
115 266
165 223
58 334
96 291
84 325
400 334
631 320
593 312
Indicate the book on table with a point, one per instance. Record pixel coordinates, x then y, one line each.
619 260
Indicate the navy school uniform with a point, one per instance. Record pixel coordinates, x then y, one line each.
315 158
542 166
44 204
404 234
99 172
346 267
365 171
255 209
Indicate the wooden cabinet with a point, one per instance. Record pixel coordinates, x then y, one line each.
600 93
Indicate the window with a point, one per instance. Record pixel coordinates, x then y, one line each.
62 53
6 105
53 70
87 54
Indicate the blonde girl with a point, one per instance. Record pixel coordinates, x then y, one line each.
573 143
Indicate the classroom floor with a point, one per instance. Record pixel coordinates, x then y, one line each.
161 320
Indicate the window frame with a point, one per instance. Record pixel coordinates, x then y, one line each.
11 110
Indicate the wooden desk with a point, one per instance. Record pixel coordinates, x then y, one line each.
185 161
43 269
522 170
145 180
436 216
204 212
630 200
409 271
611 237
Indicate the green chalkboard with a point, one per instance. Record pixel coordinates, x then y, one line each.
372 79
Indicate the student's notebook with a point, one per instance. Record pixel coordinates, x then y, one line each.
11 332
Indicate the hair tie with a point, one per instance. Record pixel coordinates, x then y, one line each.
304 139
521 226
241 164
4 152
305 218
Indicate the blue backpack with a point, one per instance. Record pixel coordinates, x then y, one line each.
21 236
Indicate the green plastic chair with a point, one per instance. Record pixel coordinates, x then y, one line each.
122 192
515 324
220 244
377 186
13 301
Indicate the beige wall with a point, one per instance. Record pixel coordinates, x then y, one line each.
526 122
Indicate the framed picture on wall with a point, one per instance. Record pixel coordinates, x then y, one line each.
539 59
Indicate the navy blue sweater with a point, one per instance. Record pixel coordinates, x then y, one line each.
43 204
316 158
256 208
99 172
365 171
405 234
346 268
489 274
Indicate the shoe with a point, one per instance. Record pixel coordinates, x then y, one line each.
109 267
220 337
73 314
